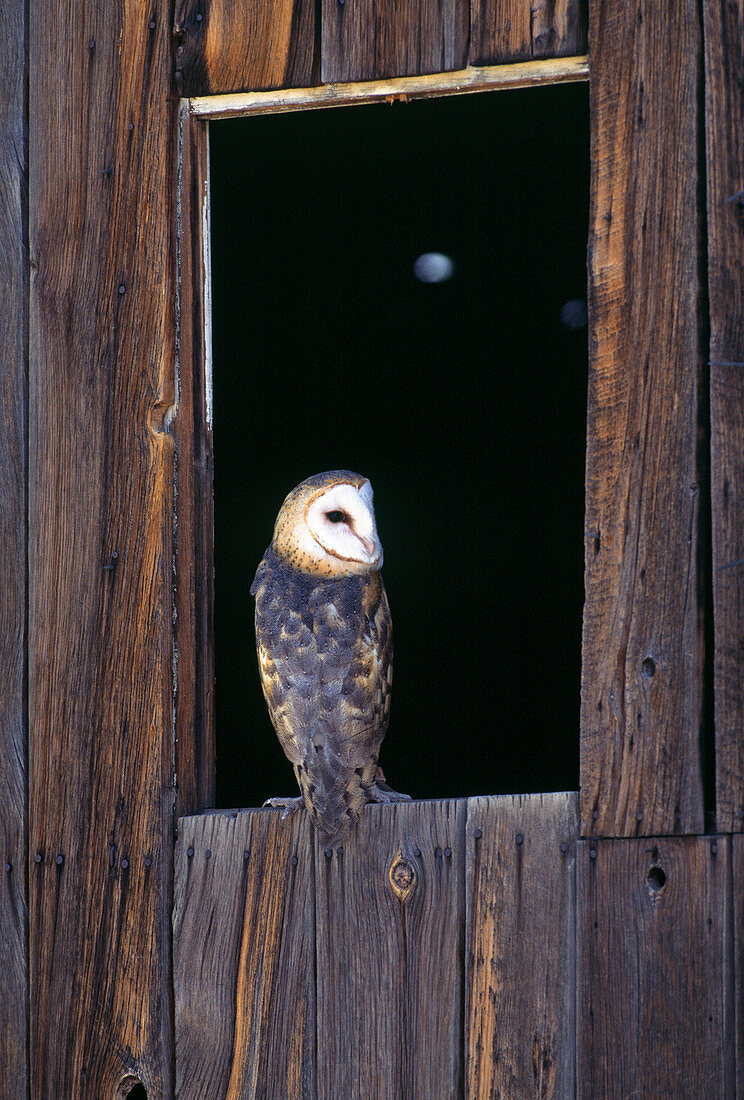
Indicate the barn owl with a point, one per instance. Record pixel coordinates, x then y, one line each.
323 635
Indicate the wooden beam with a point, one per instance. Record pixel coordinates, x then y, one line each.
230 45
515 30
655 1008
529 75
13 471
643 644
193 559
101 518
724 129
520 952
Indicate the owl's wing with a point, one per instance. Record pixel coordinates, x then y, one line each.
326 671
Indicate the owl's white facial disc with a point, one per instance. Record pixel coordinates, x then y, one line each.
342 521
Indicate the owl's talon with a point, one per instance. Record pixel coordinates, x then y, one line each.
381 792
290 805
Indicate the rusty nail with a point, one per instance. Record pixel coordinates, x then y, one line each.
189 852
115 556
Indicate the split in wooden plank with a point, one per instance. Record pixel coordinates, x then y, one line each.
244 957
655 1011
230 45
372 39
517 30
102 228
643 641
724 130
520 958
498 77
390 922
13 446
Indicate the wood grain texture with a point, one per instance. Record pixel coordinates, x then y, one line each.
521 897
192 433
643 650
517 30
370 39
655 1011
101 378
244 957
13 420
737 876
228 46
390 923
724 125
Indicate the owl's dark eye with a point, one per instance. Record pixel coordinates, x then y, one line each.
337 517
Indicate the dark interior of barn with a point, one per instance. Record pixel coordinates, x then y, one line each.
462 399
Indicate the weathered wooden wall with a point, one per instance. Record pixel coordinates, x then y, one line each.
724 120
647 564
430 956
230 47
470 949
101 514
118 443
13 418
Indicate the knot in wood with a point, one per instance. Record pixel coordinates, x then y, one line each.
402 877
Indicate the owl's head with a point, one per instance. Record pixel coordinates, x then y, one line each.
327 526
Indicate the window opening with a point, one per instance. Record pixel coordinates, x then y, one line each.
401 291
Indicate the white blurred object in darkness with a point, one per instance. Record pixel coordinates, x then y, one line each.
433 267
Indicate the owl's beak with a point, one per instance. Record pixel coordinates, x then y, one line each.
368 545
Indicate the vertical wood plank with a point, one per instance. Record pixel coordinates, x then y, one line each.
371 39
643 651
724 126
13 418
520 30
243 957
245 45
520 956
737 877
192 433
390 928
101 377
655 1009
